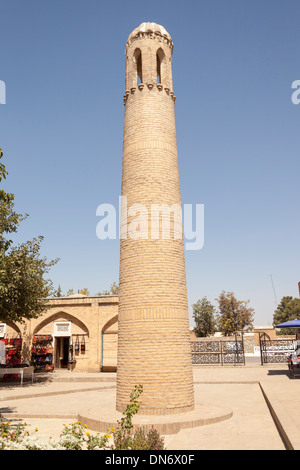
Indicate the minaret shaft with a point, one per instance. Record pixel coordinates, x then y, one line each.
153 333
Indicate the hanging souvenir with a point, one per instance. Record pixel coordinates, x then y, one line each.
17 342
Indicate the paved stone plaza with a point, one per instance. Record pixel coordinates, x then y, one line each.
248 392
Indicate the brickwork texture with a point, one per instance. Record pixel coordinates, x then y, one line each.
153 325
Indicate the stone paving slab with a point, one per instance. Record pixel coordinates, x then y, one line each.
284 405
55 405
250 428
48 389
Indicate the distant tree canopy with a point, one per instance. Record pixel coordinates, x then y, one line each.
231 316
288 309
203 313
114 290
23 288
84 291
58 292
234 315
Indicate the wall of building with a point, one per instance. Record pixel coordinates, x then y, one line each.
88 318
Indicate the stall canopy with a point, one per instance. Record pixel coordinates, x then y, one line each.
289 324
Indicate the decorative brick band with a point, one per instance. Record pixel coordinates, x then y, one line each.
149 86
149 144
152 313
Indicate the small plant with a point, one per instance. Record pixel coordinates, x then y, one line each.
125 439
147 441
123 434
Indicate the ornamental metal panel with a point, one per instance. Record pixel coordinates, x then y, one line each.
218 352
275 351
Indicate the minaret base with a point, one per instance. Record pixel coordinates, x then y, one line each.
103 417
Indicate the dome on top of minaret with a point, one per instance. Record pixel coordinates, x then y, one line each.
151 27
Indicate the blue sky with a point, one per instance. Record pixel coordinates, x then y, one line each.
238 137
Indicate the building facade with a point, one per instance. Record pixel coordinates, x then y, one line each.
76 333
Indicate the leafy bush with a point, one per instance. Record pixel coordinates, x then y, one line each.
147 441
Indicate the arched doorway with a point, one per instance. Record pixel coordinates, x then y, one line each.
66 332
109 345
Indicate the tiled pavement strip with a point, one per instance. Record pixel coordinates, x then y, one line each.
250 391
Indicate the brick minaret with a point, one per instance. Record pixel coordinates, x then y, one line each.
153 332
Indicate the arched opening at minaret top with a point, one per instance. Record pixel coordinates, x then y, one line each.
160 59
138 64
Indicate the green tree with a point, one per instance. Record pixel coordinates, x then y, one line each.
114 290
84 291
23 288
9 219
288 309
234 315
58 292
204 316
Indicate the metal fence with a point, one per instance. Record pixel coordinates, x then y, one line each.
275 351
218 352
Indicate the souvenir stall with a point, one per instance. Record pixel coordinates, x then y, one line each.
42 353
11 365
13 347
